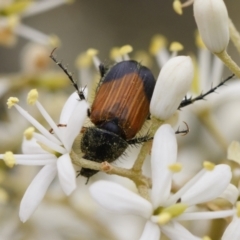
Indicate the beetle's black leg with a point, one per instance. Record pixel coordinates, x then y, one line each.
139 140
190 100
102 70
184 132
88 112
74 83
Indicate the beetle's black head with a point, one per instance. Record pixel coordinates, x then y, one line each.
100 145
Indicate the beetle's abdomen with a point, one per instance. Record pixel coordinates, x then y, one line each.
124 98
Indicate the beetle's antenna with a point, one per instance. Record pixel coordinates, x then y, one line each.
190 100
184 132
74 83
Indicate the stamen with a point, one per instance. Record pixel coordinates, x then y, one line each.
28 133
175 210
126 49
176 167
16 7
33 35
32 97
43 6
12 101
143 57
238 209
13 21
198 41
93 55
208 165
115 54
233 152
187 3
83 60
92 52
177 7
176 47
164 218
157 43
54 41
3 195
168 213
9 159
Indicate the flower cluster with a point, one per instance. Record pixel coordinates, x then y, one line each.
52 151
163 205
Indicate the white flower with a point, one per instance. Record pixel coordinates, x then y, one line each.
13 12
164 210
172 84
48 150
232 231
212 21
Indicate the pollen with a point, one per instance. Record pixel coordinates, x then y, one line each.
9 159
83 61
32 97
157 43
12 101
54 41
92 52
208 165
13 21
177 7
28 133
176 47
176 167
115 53
126 49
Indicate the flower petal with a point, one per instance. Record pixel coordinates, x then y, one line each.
231 194
164 153
212 20
210 186
116 198
31 147
151 231
75 123
41 139
174 230
172 85
68 108
206 215
232 231
66 174
36 191
37 125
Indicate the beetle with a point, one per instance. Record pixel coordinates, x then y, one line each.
118 112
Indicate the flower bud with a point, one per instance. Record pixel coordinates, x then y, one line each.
172 85
212 20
